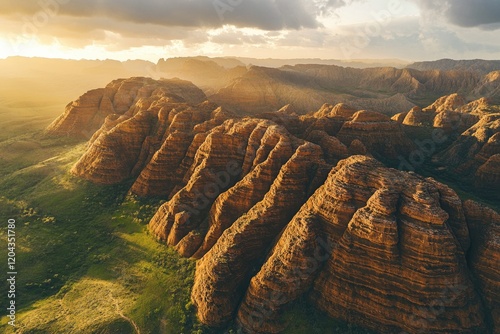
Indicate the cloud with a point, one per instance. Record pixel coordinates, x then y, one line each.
232 36
263 28
305 38
262 14
484 14
130 23
98 30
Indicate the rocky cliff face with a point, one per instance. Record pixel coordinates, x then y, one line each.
484 226
490 86
397 235
474 156
85 115
381 137
157 137
278 206
450 113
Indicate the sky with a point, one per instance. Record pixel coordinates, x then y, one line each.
411 30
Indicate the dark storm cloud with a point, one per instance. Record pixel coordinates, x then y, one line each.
474 13
263 14
467 13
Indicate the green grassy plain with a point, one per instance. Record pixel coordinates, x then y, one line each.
84 259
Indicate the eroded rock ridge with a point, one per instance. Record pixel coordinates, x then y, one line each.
277 205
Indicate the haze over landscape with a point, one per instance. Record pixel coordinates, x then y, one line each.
250 166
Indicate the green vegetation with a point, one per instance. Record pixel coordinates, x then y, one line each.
85 261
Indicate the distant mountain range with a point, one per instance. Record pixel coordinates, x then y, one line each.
56 81
230 62
474 65
249 89
246 86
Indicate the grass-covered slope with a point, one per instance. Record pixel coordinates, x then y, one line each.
85 263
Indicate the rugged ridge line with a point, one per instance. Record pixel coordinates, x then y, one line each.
279 206
384 89
86 115
396 255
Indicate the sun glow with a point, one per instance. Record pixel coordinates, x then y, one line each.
32 47
4 45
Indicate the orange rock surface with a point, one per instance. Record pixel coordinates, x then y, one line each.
279 206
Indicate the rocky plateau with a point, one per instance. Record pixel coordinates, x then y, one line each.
278 205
